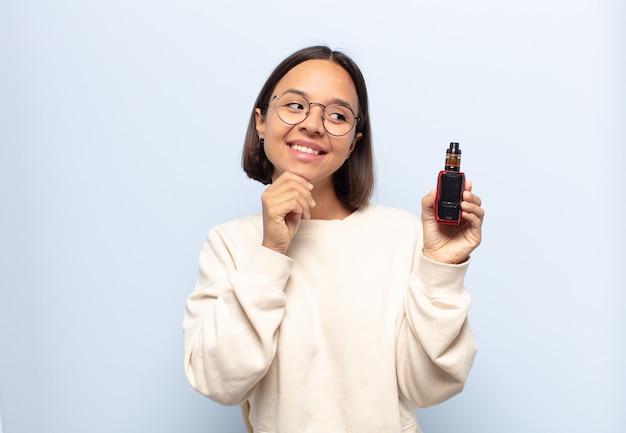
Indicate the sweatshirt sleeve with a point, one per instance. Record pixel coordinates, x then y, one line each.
231 319
435 347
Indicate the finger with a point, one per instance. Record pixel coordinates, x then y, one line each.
281 195
291 201
471 198
286 184
473 213
473 209
295 193
289 176
428 201
428 206
300 195
303 205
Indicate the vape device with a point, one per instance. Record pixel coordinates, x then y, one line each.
450 187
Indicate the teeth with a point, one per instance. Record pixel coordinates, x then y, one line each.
304 149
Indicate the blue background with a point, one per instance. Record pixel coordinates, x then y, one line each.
121 125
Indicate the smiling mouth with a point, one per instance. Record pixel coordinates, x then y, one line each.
304 149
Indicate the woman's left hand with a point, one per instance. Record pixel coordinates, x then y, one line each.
452 243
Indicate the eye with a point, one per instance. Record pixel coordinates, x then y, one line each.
338 114
295 105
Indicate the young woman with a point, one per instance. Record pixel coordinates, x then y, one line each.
325 313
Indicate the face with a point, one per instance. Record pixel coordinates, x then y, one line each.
307 149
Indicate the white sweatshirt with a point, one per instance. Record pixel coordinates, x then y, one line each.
348 332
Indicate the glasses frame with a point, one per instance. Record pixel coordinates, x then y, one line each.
324 108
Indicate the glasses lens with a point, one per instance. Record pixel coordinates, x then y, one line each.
292 108
338 119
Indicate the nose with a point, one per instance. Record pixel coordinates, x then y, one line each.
314 122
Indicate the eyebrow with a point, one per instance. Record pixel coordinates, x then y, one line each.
333 101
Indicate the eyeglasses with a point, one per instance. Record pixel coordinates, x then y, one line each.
292 108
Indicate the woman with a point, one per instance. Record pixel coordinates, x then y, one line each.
325 313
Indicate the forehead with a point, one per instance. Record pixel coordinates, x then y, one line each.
320 81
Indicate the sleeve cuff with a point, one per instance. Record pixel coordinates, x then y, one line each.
267 270
441 280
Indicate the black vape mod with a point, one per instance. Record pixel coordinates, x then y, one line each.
450 187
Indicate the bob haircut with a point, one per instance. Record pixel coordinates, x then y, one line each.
354 180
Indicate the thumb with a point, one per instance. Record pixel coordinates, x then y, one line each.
428 202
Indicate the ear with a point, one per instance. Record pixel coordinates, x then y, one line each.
259 121
357 137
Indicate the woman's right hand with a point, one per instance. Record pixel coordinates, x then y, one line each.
285 202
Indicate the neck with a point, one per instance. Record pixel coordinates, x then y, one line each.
328 206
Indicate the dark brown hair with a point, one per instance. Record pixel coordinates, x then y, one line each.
354 180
